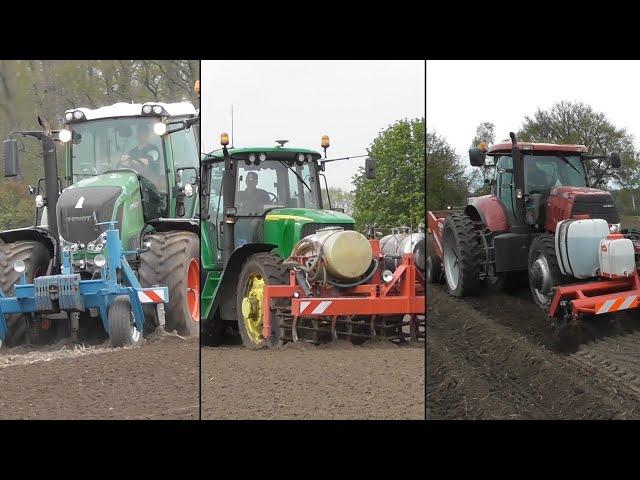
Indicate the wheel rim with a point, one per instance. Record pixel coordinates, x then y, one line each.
252 307
451 260
540 280
193 290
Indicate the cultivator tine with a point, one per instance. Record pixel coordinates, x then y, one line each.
372 326
334 334
294 331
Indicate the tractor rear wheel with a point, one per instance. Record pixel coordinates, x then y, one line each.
36 257
122 325
462 256
173 261
259 269
544 271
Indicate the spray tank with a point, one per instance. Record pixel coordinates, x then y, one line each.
334 256
402 240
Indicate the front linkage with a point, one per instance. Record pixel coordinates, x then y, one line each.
67 293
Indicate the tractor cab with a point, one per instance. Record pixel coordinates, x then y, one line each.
266 184
540 184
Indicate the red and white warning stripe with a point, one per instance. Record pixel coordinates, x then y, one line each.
615 304
314 308
151 296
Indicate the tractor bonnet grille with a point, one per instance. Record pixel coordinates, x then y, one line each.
76 208
311 228
597 206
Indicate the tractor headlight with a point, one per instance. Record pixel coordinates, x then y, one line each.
39 201
65 135
613 228
160 128
301 157
78 114
100 261
157 109
147 109
262 157
188 190
387 275
19 266
68 116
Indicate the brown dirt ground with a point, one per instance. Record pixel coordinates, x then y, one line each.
302 381
496 357
158 380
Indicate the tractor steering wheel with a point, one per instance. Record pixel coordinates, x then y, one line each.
275 197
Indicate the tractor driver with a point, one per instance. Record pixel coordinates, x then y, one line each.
144 154
251 200
537 179
145 159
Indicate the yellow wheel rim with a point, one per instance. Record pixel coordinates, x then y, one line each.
252 307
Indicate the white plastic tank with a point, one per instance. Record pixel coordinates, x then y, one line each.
578 246
617 257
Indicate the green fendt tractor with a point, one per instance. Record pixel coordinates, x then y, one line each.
257 204
132 177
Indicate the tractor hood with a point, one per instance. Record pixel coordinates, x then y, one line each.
97 199
284 227
580 203
304 215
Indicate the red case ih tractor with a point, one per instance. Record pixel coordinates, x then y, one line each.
543 219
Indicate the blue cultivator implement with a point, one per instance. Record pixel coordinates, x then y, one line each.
116 296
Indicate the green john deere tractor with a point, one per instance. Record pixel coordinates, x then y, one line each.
257 204
133 164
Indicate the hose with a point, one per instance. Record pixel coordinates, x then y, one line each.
367 277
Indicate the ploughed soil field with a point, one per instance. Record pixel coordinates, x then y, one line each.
158 380
378 380
496 357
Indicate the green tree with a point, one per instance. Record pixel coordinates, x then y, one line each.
447 182
340 198
578 123
396 196
485 132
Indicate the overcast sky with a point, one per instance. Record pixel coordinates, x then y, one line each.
351 101
462 94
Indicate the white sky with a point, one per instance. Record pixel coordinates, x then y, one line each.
463 94
351 101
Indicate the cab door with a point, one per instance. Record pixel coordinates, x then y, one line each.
504 185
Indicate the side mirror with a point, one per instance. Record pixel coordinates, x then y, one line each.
10 157
614 158
476 157
370 168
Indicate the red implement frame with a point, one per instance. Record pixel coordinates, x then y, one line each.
404 294
596 298
435 225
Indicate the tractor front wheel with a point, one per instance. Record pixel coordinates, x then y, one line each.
35 256
173 261
260 269
122 325
544 271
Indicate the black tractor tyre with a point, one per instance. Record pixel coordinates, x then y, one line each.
433 270
122 329
268 267
166 263
461 249
36 257
542 251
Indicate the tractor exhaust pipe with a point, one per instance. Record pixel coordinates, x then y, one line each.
519 225
50 176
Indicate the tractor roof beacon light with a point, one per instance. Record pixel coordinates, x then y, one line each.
224 139
325 144
196 87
